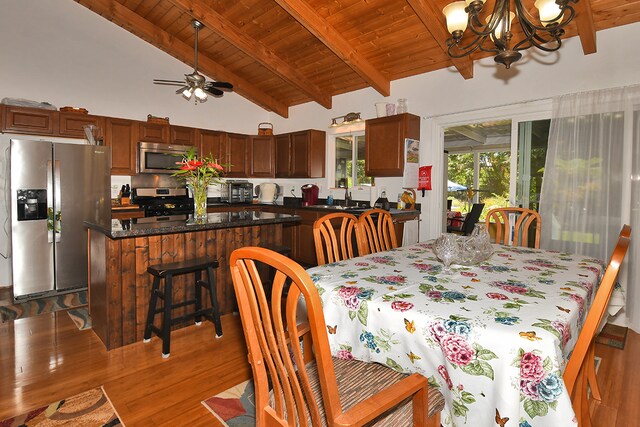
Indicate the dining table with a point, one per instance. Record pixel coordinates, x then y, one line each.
494 337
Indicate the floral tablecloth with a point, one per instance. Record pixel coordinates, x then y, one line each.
494 337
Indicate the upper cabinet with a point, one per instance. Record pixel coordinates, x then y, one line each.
122 136
33 121
154 132
301 154
181 135
72 124
236 155
212 142
384 143
262 155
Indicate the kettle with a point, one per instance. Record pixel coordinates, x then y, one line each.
267 192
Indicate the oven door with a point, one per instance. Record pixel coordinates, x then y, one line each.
160 158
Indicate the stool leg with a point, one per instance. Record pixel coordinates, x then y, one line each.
152 309
198 291
166 316
211 280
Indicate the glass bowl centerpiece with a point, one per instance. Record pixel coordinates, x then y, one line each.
463 250
198 173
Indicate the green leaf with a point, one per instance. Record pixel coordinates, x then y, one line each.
485 354
352 314
363 312
509 305
459 410
553 405
478 368
549 328
467 397
536 408
441 288
547 364
393 365
432 382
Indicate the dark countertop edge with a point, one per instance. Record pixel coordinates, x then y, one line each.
123 234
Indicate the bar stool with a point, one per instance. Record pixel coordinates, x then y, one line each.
166 272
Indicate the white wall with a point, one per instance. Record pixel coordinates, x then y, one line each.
445 92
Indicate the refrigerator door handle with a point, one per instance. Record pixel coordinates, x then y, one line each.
50 214
57 218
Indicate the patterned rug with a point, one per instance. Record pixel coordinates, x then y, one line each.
39 306
234 407
613 335
80 317
88 409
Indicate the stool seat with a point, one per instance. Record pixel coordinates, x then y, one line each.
182 267
164 273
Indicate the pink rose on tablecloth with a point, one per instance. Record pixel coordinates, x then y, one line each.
528 267
579 300
587 286
348 292
496 295
594 270
531 368
401 306
362 264
380 260
468 274
434 294
344 354
352 303
442 370
563 330
514 289
456 349
437 330
425 267
529 389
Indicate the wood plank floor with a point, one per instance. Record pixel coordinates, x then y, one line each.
45 358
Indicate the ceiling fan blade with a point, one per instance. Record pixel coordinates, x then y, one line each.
213 91
182 89
220 85
168 82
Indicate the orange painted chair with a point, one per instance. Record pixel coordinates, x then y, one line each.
525 219
376 232
332 246
296 380
577 372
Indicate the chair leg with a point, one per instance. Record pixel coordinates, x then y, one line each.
585 417
198 291
152 309
591 373
211 279
166 316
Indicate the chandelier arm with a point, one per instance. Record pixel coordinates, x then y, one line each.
485 30
468 49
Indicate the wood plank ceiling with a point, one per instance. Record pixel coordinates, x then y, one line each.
279 53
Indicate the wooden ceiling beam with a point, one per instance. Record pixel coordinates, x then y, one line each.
135 24
586 26
331 38
269 59
435 22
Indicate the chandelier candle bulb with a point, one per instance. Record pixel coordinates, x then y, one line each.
456 16
550 12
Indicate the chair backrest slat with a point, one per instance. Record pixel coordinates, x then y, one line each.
525 219
332 247
376 232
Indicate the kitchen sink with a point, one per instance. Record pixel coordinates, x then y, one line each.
341 208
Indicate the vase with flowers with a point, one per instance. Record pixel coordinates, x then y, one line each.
198 173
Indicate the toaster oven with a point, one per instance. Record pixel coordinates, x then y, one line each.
237 192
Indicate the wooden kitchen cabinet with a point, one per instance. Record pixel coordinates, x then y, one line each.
154 132
182 135
236 155
32 121
72 124
262 157
212 142
384 143
300 154
122 136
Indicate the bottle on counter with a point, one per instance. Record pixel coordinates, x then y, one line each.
382 202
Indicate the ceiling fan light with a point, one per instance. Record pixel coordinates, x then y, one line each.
200 94
456 16
187 93
550 12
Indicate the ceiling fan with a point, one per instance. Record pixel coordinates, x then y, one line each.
195 84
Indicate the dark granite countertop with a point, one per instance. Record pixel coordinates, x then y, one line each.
138 227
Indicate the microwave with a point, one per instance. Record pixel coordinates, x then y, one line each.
160 158
237 192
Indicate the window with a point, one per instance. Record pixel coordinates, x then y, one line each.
350 153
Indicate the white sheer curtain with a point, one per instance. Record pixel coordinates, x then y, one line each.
592 180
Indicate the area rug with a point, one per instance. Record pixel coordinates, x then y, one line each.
88 409
235 407
39 306
613 335
80 317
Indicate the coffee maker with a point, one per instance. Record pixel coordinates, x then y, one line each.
309 194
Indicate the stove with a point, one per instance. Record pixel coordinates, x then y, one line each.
163 201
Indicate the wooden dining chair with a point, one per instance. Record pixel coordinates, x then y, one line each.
333 235
296 380
576 374
376 232
525 218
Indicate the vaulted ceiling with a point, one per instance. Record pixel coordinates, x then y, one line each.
279 53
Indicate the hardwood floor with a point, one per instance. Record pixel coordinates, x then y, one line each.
45 358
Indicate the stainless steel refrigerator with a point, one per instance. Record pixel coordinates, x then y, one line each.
54 188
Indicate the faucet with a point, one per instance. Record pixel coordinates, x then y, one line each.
347 196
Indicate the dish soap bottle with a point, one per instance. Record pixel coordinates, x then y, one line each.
382 202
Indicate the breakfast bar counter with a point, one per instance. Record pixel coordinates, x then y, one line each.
119 285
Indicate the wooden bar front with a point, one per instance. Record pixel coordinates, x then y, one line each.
120 286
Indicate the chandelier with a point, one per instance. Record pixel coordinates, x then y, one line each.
543 31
